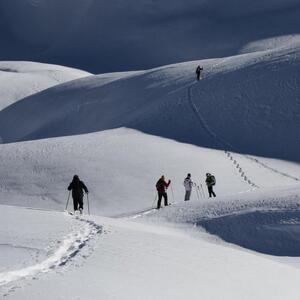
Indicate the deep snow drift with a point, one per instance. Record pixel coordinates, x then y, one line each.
102 36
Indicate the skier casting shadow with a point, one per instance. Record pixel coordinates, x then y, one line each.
198 72
77 187
161 187
210 182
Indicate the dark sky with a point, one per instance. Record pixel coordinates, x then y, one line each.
101 37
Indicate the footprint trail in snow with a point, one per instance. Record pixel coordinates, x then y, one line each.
68 249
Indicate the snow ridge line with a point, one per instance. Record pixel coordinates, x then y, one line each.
217 139
68 249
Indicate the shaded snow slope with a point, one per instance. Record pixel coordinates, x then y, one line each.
138 261
20 79
120 167
267 220
103 36
270 232
247 103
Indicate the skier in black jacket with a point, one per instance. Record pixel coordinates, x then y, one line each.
77 187
198 72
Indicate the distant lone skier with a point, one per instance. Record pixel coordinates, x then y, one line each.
161 187
77 187
198 72
210 182
188 184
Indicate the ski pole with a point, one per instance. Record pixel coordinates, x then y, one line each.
197 192
154 201
202 190
68 200
172 194
88 203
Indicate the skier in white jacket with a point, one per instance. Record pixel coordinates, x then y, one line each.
188 184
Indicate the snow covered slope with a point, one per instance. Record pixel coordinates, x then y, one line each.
121 131
119 259
21 79
121 167
102 36
247 103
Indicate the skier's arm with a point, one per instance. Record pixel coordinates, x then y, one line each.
70 187
85 188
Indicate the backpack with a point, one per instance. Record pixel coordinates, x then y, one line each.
187 183
159 185
213 180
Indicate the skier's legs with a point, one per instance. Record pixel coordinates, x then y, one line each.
198 76
209 191
75 203
165 195
213 193
80 202
187 195
159 200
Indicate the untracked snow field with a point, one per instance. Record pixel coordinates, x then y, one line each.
22 79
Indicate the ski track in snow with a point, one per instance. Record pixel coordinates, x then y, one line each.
271 169
68 249
219 141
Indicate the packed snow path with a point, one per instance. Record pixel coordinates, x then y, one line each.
69 247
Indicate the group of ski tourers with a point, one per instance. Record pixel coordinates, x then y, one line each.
78 187
162 186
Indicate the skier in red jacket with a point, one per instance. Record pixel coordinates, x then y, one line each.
161 187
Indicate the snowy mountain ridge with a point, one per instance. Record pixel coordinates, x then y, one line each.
102 36
255 95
